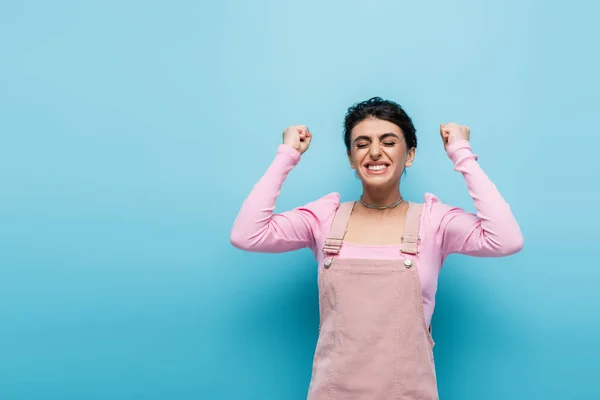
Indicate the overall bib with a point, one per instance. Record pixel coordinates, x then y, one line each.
374 343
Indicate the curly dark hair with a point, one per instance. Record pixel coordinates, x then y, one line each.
383 109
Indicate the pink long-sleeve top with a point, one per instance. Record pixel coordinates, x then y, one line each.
491 232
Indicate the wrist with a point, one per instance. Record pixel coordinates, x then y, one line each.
459 150
292 146
289 151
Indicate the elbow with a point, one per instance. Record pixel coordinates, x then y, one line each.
513 244
243 239
515 247
238 240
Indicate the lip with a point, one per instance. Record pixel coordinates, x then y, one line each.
380 172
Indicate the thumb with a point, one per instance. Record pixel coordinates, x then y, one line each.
306 135
443 131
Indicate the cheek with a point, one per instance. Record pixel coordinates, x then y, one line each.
397 155
352 158
357 155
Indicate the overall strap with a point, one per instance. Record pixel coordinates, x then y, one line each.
338 228
410 237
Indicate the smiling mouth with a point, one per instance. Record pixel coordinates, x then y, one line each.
376 168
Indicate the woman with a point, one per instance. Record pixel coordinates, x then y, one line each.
379 258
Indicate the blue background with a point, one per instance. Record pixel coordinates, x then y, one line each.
132 131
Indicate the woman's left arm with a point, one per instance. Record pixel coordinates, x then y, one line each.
493 230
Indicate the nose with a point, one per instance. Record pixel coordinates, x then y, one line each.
375 151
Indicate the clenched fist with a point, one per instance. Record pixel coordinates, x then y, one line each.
453 132
298 137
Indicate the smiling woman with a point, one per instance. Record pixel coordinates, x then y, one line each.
380 158
379 257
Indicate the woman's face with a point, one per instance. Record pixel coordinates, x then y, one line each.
378 152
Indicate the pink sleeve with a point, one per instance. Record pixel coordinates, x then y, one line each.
258 229
492 232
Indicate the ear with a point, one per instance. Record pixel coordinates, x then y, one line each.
410 158
351 160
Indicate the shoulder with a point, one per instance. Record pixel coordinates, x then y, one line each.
322 209
435 211
433 203
319 214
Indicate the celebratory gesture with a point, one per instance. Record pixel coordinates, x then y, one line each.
378 256
297 137
453 132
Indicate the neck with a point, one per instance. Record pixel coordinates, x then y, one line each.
381 197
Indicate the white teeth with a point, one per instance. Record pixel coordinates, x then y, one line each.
377 167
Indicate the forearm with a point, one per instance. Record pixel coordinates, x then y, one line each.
256 227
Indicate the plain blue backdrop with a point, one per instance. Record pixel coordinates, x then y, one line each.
131 132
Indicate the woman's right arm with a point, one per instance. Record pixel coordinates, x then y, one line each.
258 229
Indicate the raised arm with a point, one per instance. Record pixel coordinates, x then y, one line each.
258 229
493 230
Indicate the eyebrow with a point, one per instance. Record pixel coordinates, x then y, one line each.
381 137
